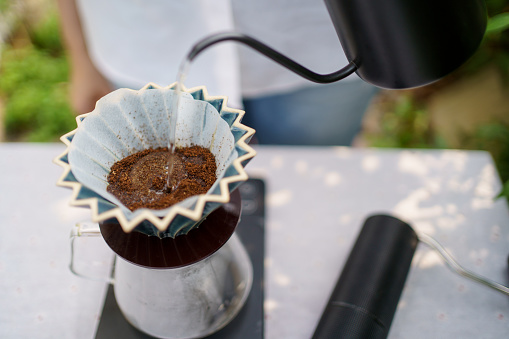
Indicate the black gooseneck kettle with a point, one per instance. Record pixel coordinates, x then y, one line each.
407 43
392 43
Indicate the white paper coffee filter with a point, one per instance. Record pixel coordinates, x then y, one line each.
127 121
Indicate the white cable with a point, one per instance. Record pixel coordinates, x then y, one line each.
457 268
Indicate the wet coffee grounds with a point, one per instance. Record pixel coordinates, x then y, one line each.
141 179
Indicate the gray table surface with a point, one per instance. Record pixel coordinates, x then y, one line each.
317 200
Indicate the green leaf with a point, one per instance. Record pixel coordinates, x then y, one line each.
45 36
498 23
505 191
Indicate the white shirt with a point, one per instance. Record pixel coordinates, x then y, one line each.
134 42
300 29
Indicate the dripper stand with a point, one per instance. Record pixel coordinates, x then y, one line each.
154 252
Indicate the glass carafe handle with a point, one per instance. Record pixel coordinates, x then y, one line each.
86 230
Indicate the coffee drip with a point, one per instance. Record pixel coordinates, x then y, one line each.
181 77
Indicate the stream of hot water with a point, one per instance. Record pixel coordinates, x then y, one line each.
181 77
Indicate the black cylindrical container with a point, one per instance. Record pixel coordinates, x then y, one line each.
365 298
408 43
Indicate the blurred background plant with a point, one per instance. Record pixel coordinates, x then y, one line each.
468 109
33 73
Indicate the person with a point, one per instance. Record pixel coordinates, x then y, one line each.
128 43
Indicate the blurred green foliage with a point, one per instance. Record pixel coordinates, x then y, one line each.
33 86
494 138
495 7
495 45
406 123
46 36
4 4
498 24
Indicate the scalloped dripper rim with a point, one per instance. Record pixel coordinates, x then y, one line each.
103 210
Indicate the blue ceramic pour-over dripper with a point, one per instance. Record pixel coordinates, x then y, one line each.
127 121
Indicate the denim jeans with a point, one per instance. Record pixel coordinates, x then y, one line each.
318 115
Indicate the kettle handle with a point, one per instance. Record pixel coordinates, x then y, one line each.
87 230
